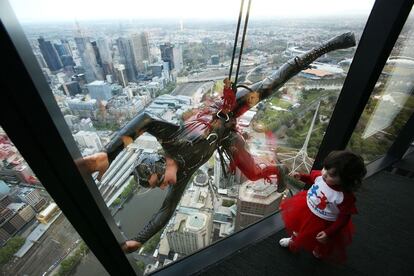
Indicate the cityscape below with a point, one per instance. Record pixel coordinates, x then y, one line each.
102 74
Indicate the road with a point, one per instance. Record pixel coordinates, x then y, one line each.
48 251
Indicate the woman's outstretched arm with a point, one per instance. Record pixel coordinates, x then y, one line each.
247 98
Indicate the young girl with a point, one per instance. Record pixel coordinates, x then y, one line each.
319 220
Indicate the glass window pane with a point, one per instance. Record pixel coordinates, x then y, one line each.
166 61
35 236
391 103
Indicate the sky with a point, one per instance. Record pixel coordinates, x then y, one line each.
70 10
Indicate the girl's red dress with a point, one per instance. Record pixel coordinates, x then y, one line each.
303 225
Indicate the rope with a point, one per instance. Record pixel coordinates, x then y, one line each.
246 21
236 38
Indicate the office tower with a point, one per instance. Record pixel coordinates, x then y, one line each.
88 59
256 200
100 90
126 57
61 49
173 55
66 44
141 50
178 58
106 56
167 54
67 61
49 54
189 232
96 52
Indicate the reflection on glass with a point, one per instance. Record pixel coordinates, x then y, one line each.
391 103
35 237
105 72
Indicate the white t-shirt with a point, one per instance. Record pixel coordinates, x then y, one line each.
323 201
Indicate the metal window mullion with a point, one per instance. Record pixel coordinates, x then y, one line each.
31 118
383 27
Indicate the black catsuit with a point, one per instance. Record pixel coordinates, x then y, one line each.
192 144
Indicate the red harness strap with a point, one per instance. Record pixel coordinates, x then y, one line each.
229 99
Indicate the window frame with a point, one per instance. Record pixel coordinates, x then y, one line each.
52 157
37 128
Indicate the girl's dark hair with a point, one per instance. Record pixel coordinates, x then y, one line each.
348 166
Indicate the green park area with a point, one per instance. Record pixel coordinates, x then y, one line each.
10 248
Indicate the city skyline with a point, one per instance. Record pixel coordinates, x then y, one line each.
49 10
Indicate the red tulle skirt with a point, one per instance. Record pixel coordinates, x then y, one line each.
303 226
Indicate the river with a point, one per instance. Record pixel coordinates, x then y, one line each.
136 212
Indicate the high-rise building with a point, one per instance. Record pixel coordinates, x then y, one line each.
178 58
167 54
126 57
61 49
173 55
257 199
141 49
88 59
106 56
66 44
100 90
189 232
97 53
49 54
67 60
